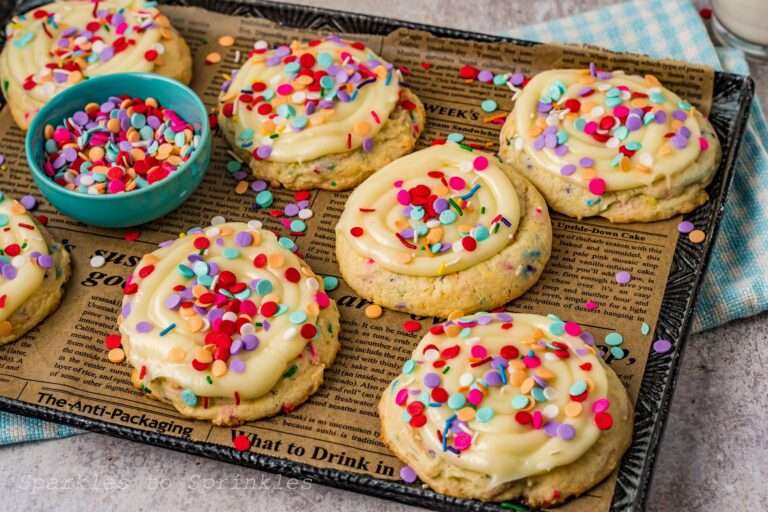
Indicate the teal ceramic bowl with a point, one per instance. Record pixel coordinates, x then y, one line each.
137 206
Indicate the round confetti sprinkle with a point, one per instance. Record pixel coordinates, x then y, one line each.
374 311
98 261
411 326
213 58
330 283
241 443
226 41
623 277
614 339
685 227
408 475
597 186
662 346
488 106
697 236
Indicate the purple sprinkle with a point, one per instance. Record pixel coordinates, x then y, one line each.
250 342
561 150
264 151
662 346
685 227
258 185
634 123
291 210
544 107
408 474
243 239
516 78
45 261
504 317
660 116
551 428
367 144
492 378
550 140
499 362
9 272
679 115
80 118
587 338
586 162
144 327
28 202
431 380
538 143
173 301
237 366
623 277
566 432
485 76
107 54
679 141
69 154
568 169
484 319
126 311
237 346
685 132
107 107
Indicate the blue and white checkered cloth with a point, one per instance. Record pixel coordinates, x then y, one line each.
736 285
736 282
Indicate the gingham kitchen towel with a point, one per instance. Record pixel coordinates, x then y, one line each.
735 285
736 282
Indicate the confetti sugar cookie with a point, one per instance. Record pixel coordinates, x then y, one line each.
61 43
607 144
228 325
443 229
322 114
33 271
502 406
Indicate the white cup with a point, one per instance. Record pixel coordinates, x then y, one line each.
742 24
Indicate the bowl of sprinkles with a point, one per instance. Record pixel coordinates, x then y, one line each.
120 150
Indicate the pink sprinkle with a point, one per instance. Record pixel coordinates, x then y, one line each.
284 89
402 397
572 328
538 419
590 305
703 144
398 183
531 361
62 136
600 405
480 163
403 197
457 183
597 186
462 441
590 128
478 351
116 186
620 111
248 307
475 396
322 300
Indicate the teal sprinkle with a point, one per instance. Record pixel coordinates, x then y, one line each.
297 317
232 166
286 243
409 366
330 283
633 145
500 79
580 123
480 233
613 93
456 401
592 201
684 105
645 329
205 280
621 133
185 270
465 332
264 287
417 213
538 394
3 219
453 137
612 102
189 397
557 328
324 60
200 268
578 388
167 329
243 294
231 253
447 217
618 353
562 137
484 414
616 160
471 191
614 339
519 402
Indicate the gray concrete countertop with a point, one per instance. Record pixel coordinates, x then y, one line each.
714 455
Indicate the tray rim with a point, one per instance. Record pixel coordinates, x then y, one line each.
396 490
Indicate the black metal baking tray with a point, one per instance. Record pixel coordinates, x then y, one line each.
730 110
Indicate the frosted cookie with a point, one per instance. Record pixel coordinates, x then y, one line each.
33 271
505 406
443 229
61 43
227 325
322 114
612 145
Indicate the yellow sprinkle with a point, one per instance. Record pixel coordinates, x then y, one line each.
116 355
697 236
373 311
226 41
213 58
573 409
219 368
177 354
